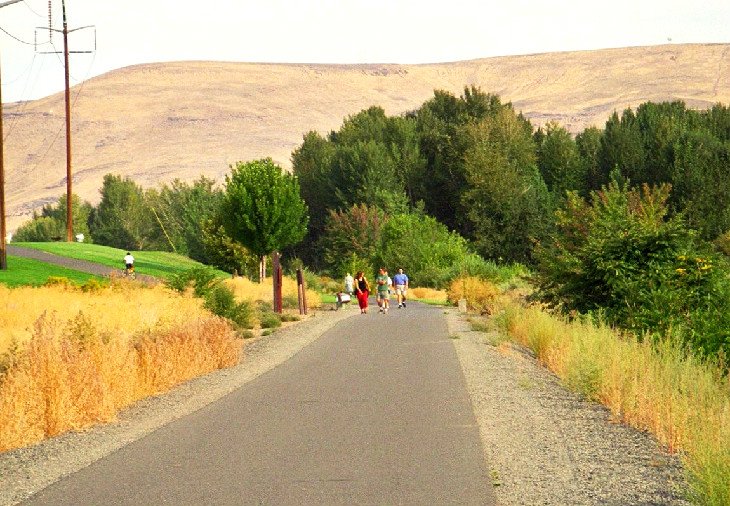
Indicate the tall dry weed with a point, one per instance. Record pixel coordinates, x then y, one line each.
683 400
247 290
480 295
428 294
122 309
80 370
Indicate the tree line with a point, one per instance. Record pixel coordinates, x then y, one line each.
233 227
464 183
482 169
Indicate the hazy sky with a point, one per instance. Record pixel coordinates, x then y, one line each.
330 31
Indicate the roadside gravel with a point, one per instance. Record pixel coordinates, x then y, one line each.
544 444
547 445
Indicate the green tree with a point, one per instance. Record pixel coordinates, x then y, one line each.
441 125
622 147
354 233
717 120
701 187
372 159
50 225
507 201
559 160
365 173
312 164
661 124
588 143
262 208
181 209
122 219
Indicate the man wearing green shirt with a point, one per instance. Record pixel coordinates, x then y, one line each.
381 280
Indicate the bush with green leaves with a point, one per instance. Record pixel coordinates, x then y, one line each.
423 247
623 256
200 279
269 320
220 300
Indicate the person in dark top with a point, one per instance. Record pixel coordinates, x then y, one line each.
362 290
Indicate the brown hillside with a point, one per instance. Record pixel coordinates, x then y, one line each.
157 122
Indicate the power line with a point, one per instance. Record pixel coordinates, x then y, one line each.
14 37
24 103
31 9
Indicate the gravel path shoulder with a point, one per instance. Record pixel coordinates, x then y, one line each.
28 470
546 444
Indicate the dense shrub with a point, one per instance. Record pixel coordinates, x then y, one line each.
423 247
221 301
200 279
269 320
622 255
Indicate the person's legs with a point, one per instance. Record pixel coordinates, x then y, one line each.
362 301
399 295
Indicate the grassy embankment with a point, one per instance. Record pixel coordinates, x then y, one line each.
25 271
160 264
654 386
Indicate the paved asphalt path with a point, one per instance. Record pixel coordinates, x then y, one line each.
374 412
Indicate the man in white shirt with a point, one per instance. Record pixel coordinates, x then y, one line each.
129 262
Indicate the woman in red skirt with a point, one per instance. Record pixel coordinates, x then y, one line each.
362 290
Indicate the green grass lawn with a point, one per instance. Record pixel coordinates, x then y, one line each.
24 271
160 264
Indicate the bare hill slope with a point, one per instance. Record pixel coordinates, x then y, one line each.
157 122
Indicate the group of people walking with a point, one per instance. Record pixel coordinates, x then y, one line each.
384 286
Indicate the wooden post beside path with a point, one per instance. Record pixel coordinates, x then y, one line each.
276 275
302 291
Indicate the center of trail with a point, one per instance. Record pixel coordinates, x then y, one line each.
375 411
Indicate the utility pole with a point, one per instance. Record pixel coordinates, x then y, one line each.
67 95
69 213
3 229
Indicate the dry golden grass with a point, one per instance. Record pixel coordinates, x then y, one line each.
430 294
480 295
247 290
87 356
683 401
120 310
